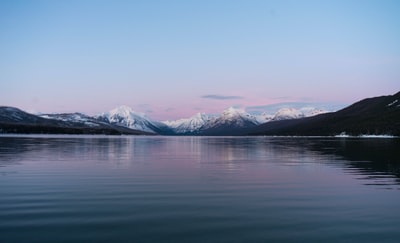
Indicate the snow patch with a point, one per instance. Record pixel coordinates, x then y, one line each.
394 102
264 117
377 136
344 135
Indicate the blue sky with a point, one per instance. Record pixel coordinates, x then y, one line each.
172 59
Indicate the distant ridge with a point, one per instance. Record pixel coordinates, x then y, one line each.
14 120
234 121
373 116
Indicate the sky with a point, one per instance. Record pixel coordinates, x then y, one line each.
172 59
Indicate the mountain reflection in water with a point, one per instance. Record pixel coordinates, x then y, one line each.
198 189
374 160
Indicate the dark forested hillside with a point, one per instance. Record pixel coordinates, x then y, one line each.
377 116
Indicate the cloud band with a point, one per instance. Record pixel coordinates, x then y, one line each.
221 97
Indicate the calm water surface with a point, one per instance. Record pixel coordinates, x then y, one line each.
198 189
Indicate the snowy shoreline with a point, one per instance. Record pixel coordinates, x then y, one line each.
344 135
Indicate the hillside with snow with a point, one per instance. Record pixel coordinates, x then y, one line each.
74 118
125 116
14 120
372 116
292 113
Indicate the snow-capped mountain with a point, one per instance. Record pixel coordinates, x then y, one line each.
125 116
286 114
235 117
230 119
194 124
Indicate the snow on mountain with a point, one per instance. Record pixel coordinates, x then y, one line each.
189 125
234 116
126 117
232 121
292 113
230 118
73 118
264 117
311 111
393 103
287 113
11 113
15 115
13 120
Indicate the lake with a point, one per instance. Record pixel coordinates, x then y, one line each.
198 189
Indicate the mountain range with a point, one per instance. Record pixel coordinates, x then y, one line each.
123 120
379 115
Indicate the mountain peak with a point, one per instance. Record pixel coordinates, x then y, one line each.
234 118
124 107
125 111
231 111
189 125
201 114
124 116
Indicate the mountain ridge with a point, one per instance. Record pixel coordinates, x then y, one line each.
14 120
233 121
